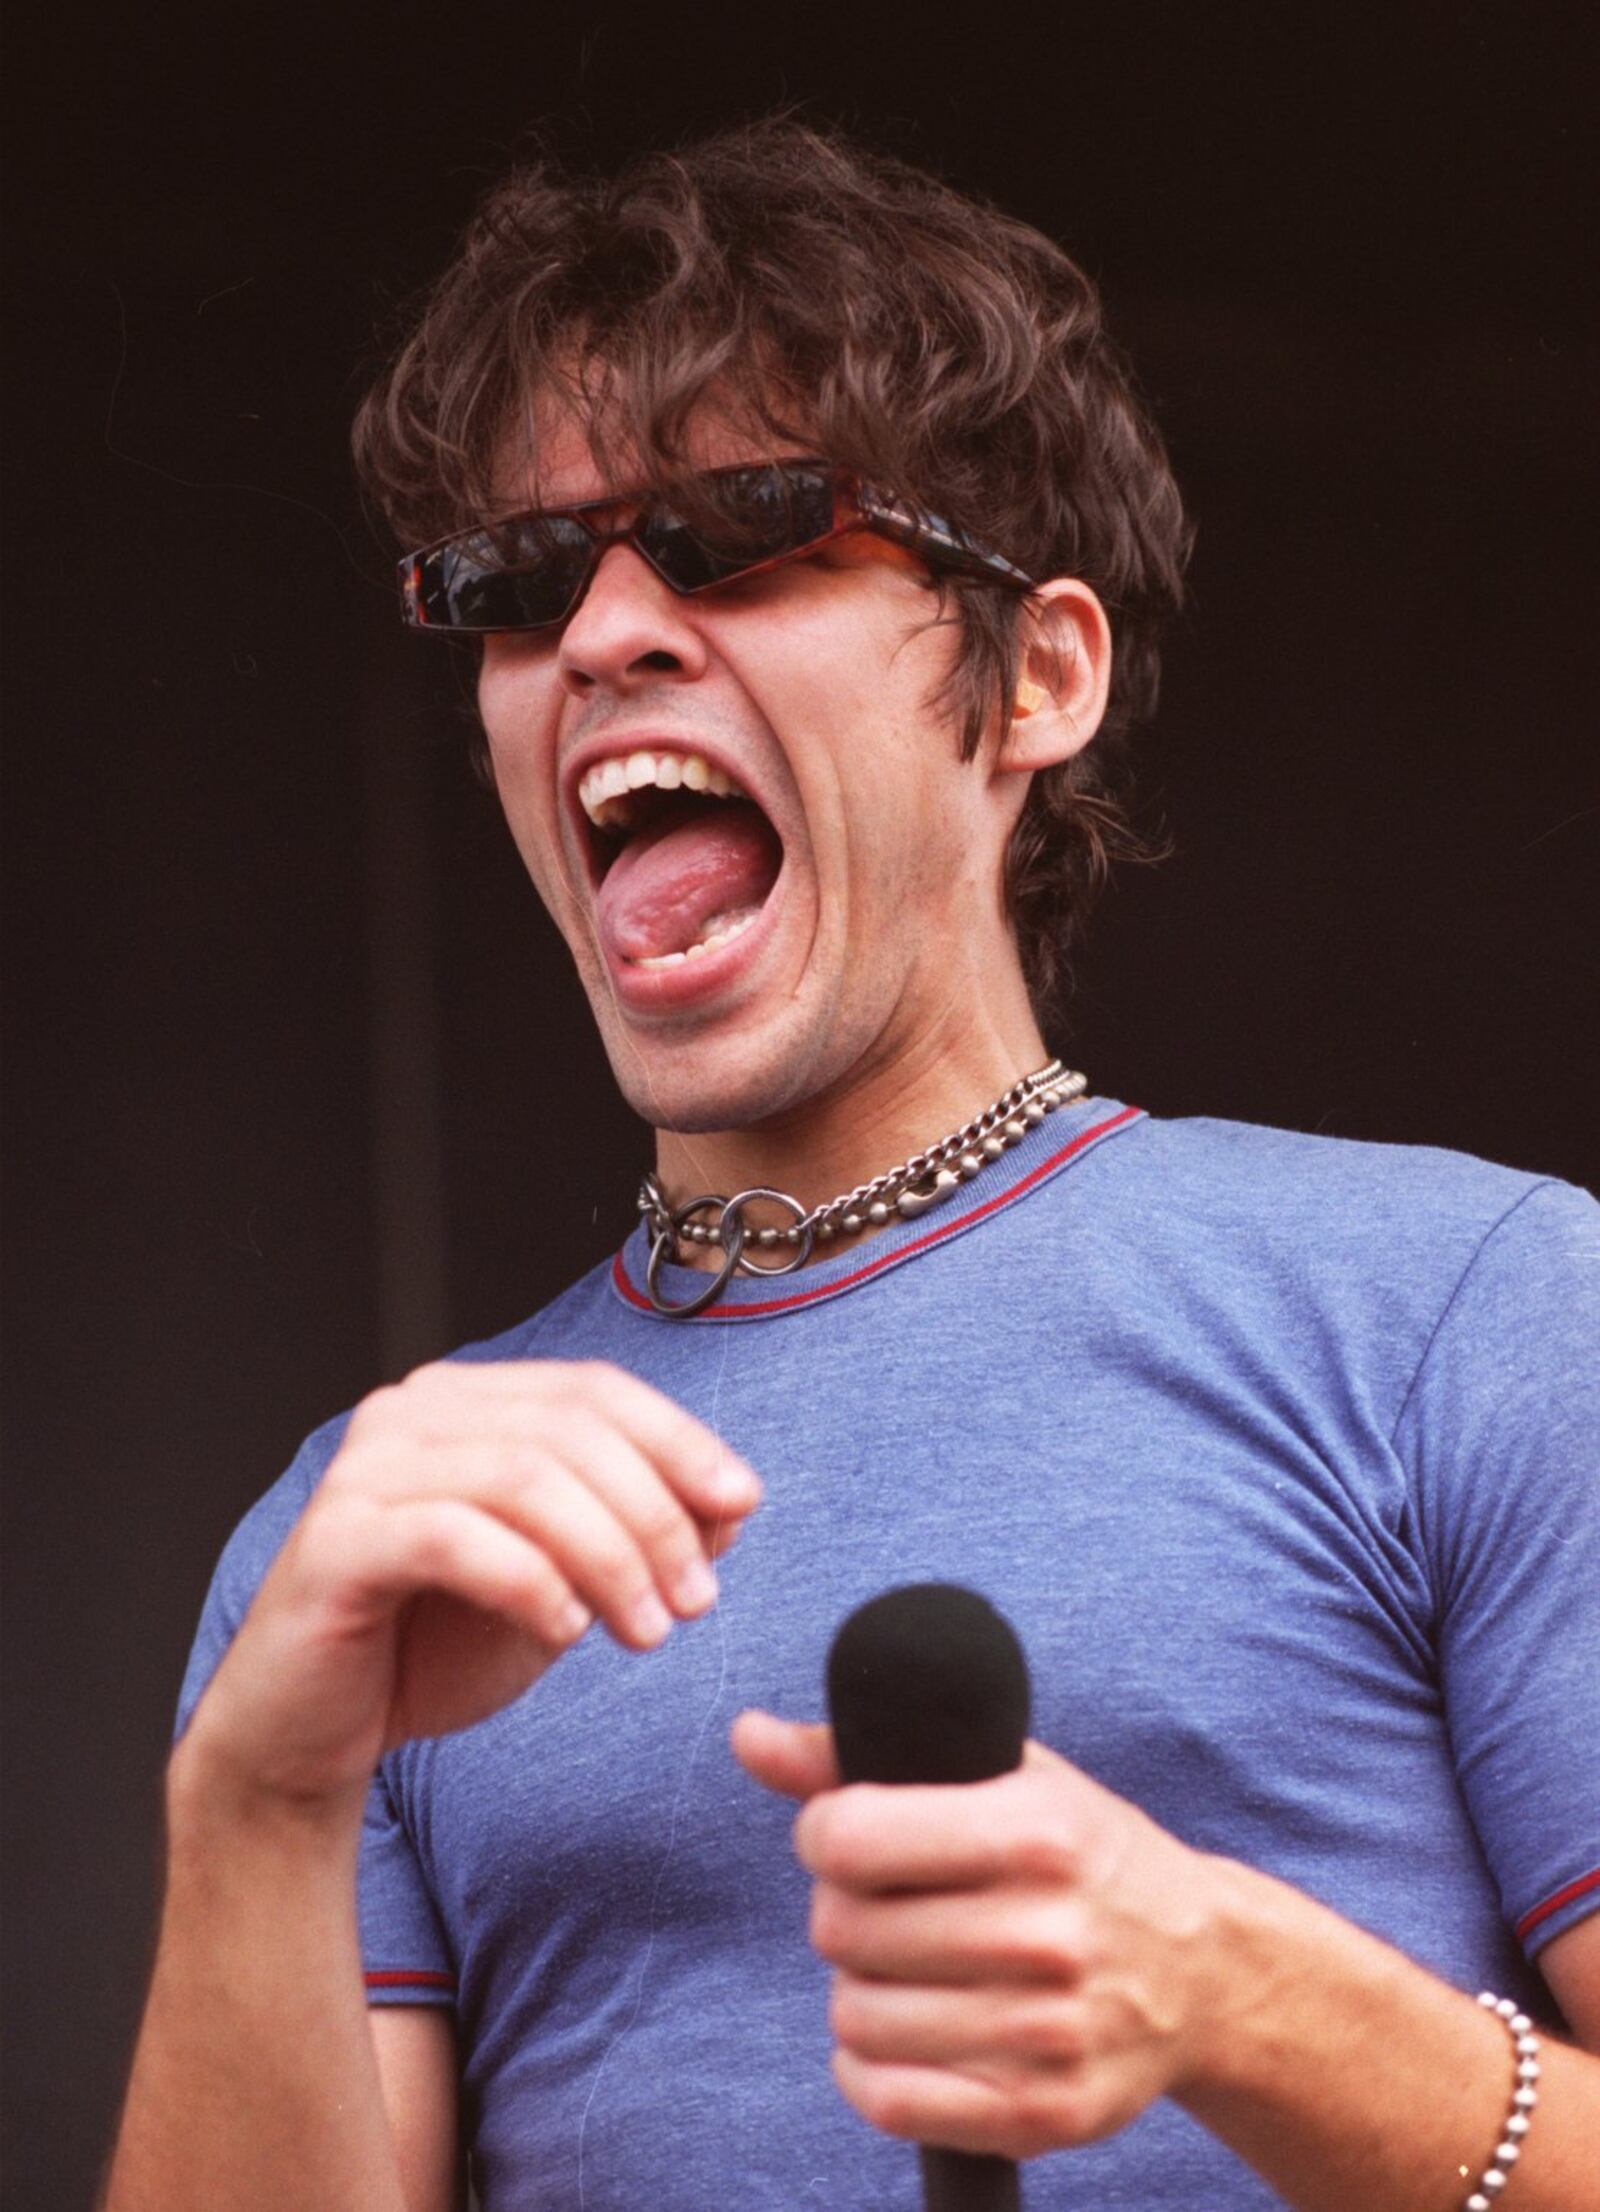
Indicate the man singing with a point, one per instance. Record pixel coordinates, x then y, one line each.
813 546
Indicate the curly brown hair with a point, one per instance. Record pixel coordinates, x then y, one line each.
808 287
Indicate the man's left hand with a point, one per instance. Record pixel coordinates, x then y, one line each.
1019 1965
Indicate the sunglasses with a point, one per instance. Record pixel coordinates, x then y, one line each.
529 572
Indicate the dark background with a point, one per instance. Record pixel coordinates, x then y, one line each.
300 1090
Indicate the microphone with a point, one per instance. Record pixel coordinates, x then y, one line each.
928 1683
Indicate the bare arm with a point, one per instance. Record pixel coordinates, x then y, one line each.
475 1523
205 2070
1571 1965
255 2078
1023 1965
416 2053
1347 2074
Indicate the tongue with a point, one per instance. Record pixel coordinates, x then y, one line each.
695 862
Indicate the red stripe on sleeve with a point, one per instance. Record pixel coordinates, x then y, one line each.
410 1978
1580 1888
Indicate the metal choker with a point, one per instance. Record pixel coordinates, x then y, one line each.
926 1180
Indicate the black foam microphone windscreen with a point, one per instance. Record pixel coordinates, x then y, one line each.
928 1683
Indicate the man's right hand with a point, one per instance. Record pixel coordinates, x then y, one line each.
474 1523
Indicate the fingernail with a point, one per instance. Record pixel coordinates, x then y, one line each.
575 1620
649 1618
694 1586
735 1481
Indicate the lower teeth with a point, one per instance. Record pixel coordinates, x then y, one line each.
734 928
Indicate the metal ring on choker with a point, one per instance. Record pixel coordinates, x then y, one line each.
903 1193
663 1244
800 1252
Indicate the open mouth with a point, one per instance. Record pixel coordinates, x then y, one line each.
684 860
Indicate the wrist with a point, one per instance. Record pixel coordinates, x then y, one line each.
1237 1984
1283 1975
215 1803
1335 2065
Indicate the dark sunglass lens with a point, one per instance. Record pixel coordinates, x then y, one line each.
742 518
510 576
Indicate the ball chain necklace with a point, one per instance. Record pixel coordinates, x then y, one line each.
913 1188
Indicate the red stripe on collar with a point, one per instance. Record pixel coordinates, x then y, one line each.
639 1300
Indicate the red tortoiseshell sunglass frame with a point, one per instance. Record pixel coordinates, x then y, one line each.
529 572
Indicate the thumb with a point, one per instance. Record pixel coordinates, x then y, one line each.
791 1756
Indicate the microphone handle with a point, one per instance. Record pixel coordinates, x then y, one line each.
928 1683
969 2181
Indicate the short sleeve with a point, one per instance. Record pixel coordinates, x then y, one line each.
404 1955
246 1558
1501 1430
403 1950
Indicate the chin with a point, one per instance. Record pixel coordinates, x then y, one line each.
698 1094
732 1077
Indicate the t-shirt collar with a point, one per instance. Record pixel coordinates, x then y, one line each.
1045 1151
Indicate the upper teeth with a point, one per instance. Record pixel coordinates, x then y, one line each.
605 787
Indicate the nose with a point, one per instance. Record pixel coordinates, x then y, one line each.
628 629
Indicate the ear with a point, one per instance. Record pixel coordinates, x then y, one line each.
1063 677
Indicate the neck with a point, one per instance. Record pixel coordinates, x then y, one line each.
899 1102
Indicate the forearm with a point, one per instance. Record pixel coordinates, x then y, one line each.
254 2084
1346 2074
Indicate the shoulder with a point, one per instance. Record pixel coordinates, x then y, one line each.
569 1327
1354 1256
1420 1206
259 1536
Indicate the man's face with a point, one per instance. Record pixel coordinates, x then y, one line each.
851 919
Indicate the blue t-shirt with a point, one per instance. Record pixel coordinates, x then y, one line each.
1279 1451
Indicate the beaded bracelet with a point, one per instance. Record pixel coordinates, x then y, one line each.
1524 2096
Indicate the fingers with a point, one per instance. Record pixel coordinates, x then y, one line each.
449 1545
932 1841
628 1496
1022 1827
475 1521
552 1509
433 1404
793 1757
635 1590
958 1939
995 2030
932 2105
991 2101
901 1837
669 1538
381 1620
